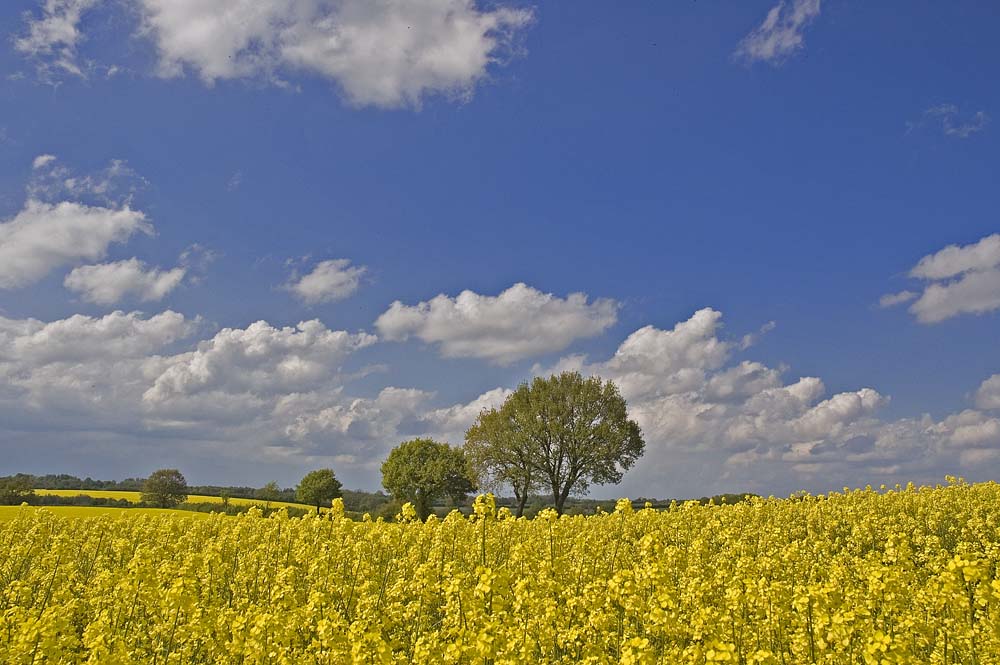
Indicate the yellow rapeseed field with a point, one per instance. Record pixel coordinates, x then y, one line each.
136 497
8 513
900 576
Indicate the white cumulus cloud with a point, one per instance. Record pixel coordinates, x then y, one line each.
781 33
716 417
518 323
383 53
80 338
108 283
45 236
959 279
258 358
988 394
129 378
329 281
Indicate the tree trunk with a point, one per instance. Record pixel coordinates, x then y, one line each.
422 506
521 500
560 497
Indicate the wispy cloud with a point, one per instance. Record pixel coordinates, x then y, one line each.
893 299
781 33
52 38
951 121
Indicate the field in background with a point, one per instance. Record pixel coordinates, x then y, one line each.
8 513
134 497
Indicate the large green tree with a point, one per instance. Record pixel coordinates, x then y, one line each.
422 471
565 432
165 488
318 488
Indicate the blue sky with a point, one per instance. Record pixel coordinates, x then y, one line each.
701 173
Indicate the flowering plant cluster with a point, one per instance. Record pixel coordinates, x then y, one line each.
907 575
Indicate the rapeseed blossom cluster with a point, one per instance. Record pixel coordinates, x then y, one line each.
908 575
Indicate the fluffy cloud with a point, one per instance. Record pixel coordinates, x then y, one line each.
33 343
959 280
45 236
956 260
384 53
82 374
780 35
327 282
381 52
108 283
42 161
970 429
988 395
52 38
518 323
372 425
973 293
451 422
241 394
260 359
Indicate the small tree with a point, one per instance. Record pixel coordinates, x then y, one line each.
318 488
422 470
269 492
165 488
16 489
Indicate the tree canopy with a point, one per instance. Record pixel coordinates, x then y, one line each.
565 433
318 488
269 492
16 489
165 488
422 471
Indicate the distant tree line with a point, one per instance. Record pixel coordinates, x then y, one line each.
18 488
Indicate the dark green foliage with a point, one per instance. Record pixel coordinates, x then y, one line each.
318 488
364 502
269 492
422 471
16 489
165 488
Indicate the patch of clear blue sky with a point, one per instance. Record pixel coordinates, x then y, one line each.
625 155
